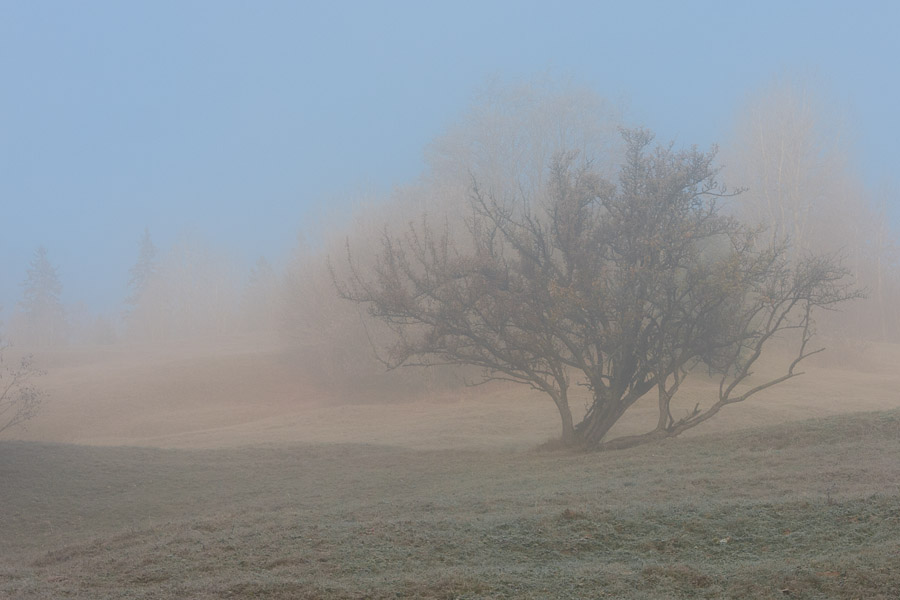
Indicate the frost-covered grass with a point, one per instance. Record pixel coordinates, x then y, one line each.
802 510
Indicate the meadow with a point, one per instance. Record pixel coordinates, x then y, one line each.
216 474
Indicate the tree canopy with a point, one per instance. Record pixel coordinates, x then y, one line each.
20 399
623 285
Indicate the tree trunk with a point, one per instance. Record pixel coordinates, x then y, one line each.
597 423
568 426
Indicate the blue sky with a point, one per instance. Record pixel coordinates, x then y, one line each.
239 120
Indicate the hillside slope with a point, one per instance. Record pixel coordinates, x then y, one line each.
240 394
804 510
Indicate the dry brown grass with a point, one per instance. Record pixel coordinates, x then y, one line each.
240 393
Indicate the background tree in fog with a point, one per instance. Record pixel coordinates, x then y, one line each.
514 129
789 163
43 316
880 270
87 327
141 307
142 272
191 290
791 152
624 286
260 301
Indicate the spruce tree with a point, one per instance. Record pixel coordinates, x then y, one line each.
45 319
142 271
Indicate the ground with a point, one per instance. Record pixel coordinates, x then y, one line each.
193 473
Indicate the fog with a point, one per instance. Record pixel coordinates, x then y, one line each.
242 133
203 193
271 328
789 147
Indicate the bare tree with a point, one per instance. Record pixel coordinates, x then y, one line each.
505 139
627 286
19 398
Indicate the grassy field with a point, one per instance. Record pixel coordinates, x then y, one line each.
797 509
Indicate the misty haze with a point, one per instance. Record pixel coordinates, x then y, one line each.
303 302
